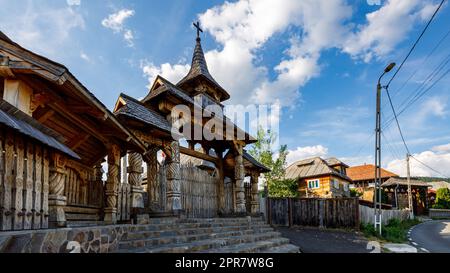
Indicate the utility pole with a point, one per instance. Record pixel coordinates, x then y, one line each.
377 195
408 178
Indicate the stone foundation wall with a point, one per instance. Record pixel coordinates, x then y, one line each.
100 239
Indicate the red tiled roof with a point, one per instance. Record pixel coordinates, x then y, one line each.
367 172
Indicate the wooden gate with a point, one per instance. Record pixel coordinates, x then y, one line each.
331 212
228 191
248 196
198 192
24 182
124 202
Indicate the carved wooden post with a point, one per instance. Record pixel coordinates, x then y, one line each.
152 178
98 196
173 193
112 184
56 199
239 179
255 196
135 179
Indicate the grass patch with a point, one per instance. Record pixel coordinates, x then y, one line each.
395 231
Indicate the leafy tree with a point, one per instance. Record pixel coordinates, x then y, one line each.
263 151
283 188
442 199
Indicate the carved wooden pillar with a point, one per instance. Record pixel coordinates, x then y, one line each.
255 195
154 198
239 180
173 192
135 171
56 199
112 184
98 180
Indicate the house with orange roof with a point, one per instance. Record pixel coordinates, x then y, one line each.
363 178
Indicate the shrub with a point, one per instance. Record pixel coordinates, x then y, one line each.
355 193
395 231
442 199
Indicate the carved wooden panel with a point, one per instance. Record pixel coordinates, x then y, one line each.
24 176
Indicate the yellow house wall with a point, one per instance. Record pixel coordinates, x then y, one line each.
326 189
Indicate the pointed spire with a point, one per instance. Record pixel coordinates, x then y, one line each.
199 68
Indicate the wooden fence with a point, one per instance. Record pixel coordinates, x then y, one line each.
367 215
198 192
24 183
332 212
439 213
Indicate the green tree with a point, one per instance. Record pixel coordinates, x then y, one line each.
442 199
263 151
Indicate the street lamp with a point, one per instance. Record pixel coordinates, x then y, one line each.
377 195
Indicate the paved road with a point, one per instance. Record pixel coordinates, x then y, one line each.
434 236
314 240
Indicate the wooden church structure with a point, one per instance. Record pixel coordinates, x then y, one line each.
56 139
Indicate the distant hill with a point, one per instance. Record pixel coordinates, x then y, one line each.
432 179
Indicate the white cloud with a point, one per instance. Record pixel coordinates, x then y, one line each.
306 152
41 27
173 73
243 27
445 148
437 160
116 21
73 2
386 28
85 57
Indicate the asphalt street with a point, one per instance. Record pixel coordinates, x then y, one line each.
433 236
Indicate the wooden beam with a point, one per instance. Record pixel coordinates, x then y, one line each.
196 154
46 116
85 125
77 141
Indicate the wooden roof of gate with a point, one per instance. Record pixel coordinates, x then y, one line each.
66 105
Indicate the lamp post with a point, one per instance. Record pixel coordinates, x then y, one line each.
377 195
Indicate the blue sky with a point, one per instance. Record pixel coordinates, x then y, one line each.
319 59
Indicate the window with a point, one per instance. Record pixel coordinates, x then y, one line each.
313 184
336 183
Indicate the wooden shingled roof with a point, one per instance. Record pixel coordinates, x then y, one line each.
311 167
199 69
394 181
132 108
367 172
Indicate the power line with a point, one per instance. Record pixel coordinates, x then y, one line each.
444 176
397 91
416 42
416 98
396 119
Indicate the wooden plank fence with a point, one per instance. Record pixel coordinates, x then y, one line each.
332 212
24 183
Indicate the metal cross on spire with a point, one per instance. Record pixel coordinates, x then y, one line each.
197 26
